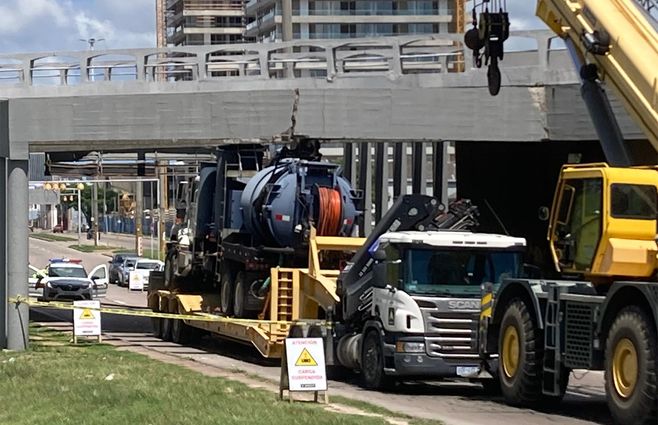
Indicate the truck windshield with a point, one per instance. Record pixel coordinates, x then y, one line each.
447 272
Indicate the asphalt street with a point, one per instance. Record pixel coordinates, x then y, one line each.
456 403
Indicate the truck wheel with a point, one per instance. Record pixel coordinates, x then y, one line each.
519 366
630 368
372 363
490 386
226 293
170 265
240 296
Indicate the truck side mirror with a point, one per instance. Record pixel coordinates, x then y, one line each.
379 255
379 275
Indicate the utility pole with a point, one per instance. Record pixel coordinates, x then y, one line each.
139 204
286 33
94 211
162 206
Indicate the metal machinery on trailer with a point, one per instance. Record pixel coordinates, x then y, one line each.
602 236
271 242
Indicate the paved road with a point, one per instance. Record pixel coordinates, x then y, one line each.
456 403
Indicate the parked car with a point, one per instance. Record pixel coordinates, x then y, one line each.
57 228
66 279
116 263
145 266
125 269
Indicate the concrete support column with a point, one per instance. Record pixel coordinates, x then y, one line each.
440 172
418 177
349 169
365 186
139 208
381 180
399 170
17 256
3 254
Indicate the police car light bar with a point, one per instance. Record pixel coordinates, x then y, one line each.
65 260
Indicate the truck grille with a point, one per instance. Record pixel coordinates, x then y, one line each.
451 333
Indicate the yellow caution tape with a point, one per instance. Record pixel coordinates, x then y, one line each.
204 317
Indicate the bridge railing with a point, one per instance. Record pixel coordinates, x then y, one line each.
327 59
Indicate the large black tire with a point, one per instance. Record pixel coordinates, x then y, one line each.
491 387
226 292
372 363
181 333
631 344
169 269
519 365
156 323
240 296
166 329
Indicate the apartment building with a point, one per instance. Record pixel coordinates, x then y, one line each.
200 22
329 19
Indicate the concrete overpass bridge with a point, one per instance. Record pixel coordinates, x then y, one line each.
381 91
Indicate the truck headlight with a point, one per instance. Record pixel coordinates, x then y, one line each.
410 347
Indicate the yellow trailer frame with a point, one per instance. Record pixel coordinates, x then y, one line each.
294 297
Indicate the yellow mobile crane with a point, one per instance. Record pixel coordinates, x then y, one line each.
602 233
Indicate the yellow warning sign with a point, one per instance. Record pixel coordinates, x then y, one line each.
305 359
86 314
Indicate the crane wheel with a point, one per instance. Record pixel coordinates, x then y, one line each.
372 363
630 368
519 365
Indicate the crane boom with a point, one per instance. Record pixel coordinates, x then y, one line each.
619 38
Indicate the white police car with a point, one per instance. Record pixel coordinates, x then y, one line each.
66 279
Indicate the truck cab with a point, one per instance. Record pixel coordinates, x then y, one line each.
421 318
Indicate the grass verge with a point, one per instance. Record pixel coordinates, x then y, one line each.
50 237
92 248
146 252
56 383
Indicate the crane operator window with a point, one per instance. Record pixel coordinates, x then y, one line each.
634 201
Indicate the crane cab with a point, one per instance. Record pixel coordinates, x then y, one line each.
603 222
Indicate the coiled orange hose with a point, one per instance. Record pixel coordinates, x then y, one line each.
330 211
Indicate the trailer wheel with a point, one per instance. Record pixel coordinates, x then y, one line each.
156 323
630 368
372 363
226 292
181 332
166 329
519 366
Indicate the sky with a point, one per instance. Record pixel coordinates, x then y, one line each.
51 25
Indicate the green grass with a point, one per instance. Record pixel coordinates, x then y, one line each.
55 383
51 237
92 248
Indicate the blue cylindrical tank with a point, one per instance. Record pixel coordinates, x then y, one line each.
278 204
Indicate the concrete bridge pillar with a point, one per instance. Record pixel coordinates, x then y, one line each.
13 240
16 258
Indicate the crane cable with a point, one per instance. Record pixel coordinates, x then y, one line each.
330 211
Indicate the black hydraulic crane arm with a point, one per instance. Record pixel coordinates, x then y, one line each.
409 212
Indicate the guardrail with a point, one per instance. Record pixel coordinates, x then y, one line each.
390 56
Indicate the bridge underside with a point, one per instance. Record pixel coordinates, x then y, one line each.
384 111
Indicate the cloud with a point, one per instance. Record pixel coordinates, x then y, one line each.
52 25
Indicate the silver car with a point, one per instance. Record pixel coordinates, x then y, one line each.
70 281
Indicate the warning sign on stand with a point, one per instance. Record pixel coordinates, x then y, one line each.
306 367
86 322
136 281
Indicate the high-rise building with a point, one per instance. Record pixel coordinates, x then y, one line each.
328 19
199 22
